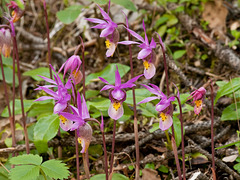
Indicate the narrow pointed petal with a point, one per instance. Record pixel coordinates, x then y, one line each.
44 98
85 113
152 44
166 124
79 104
148 99
107 31
106 87
162 105
95 20
103 80
152 90
144 53
70 116
146 38
128 42
104 14
160 40
115 114
136 35
117 78
47 79
50 92
100 26
150 72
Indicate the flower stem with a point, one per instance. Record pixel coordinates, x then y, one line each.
169 144
113 145
20 90
85 164
12 125
212 132
105 155
182 135
135 114
47 28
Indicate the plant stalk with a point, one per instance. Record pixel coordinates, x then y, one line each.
105 155
212 131
77 154
113 145
20 89
85 164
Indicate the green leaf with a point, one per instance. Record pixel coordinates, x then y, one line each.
230 113
100 2
43 71
155 127
227 145
18 110
108 73
55 169
177 130
149 166
26 172
116 176
162 30
46 127
26 159
238 159
8 72
7 61
148 110
69 14
3 173
172 20
163 169
178 54
37 109
160 21
228 88
237 167
140 94
102 104
91 93
128 4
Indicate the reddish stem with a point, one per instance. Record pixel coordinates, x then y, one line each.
113 145
212 132
105 155
77 154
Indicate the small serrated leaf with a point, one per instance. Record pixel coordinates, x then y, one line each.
26 159
26 172
60 171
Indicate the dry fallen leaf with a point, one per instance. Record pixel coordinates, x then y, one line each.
231 158
148 174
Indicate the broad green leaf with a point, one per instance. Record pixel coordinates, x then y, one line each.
163 169
102 104
127 113
172 20
161 31
228 88
227 145
7 61
100 2
238 159
108 73
149 166
91 93
26 172
37 109
69 14
155 127
230 113
8 72
237 167
46 127
160 21
95 150
41 145
177 130
148 110
18 110
128 4
178 54
3 173
43 71
55 169
140 94
116 176
26 159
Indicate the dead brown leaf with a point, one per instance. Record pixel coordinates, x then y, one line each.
150 174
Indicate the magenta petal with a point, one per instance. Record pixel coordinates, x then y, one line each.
117 78
103 80
128 42
59 107
79 104
67 125
44 98
150 72
144 53
107 31
148 99
160 40
95 20
162 105
47 79
115 114
100 26
85 113
118 94
104 14
106 87
166 124
136 35
146 38
70 116
152 44
152 90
